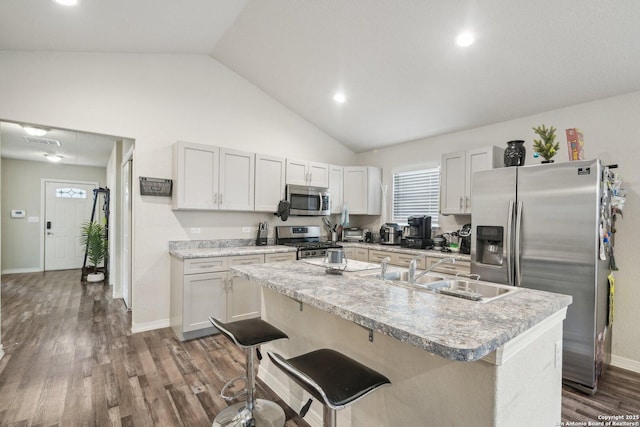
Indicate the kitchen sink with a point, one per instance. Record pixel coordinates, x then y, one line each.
403 276
473 290
470 289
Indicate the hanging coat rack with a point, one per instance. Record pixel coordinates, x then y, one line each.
105 211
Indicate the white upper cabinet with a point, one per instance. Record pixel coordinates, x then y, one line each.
195 176
303 172
362 191
336 188
211 178
270 181
237 180
456 172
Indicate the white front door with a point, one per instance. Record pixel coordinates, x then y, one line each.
67 206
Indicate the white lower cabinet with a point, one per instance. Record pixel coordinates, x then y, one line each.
203 287
403 260
462 267
357 254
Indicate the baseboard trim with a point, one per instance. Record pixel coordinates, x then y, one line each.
150 326
22 270
628 364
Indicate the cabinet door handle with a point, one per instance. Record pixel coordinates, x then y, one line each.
215 198
220 200
467 203
460 203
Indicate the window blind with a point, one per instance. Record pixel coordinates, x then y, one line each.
416 193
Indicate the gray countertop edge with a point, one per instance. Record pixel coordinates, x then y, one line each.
229 251
456 353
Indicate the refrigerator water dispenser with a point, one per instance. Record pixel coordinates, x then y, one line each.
489 244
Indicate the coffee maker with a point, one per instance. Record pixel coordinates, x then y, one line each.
390 234
465 239
419 236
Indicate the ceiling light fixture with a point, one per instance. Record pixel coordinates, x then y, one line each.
67 2
465 39
34 131
340 98
53 157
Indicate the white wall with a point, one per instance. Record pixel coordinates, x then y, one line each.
21 240
611 132
157 100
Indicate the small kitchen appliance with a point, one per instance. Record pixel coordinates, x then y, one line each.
465 239
353 234
417 234
308 201
390 234
305 238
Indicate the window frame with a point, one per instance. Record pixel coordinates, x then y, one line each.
434 171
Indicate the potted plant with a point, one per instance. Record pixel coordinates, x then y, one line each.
546 146
94 240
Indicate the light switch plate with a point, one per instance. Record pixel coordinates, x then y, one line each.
33 219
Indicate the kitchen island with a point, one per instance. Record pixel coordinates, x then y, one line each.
451 361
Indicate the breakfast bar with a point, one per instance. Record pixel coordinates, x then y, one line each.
451 361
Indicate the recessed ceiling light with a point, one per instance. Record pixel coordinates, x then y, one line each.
340 98
53 157
34 131
465 39
67 2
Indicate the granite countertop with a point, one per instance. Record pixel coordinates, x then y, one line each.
401 250
229 251
452 328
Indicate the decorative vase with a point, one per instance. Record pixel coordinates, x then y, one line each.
95 277
514 154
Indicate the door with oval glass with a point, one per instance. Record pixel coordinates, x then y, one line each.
67 206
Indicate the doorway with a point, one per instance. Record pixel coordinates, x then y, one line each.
126 228
67 205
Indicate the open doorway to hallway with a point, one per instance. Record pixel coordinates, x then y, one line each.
81 157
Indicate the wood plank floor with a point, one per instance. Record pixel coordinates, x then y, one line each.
71 361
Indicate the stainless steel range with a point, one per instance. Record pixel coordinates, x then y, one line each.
304 237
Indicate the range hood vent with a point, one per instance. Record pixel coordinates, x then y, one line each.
42 141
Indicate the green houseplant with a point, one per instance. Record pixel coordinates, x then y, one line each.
94 240
546 146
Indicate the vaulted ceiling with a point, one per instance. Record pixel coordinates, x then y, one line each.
396 61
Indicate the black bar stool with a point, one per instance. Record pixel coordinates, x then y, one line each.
249 334
332 378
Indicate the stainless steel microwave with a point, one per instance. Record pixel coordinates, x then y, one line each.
309 201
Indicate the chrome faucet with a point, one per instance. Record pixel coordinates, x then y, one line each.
384 263
413 264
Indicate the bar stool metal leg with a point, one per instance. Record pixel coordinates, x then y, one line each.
252 412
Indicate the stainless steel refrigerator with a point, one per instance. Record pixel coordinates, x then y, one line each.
539 227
